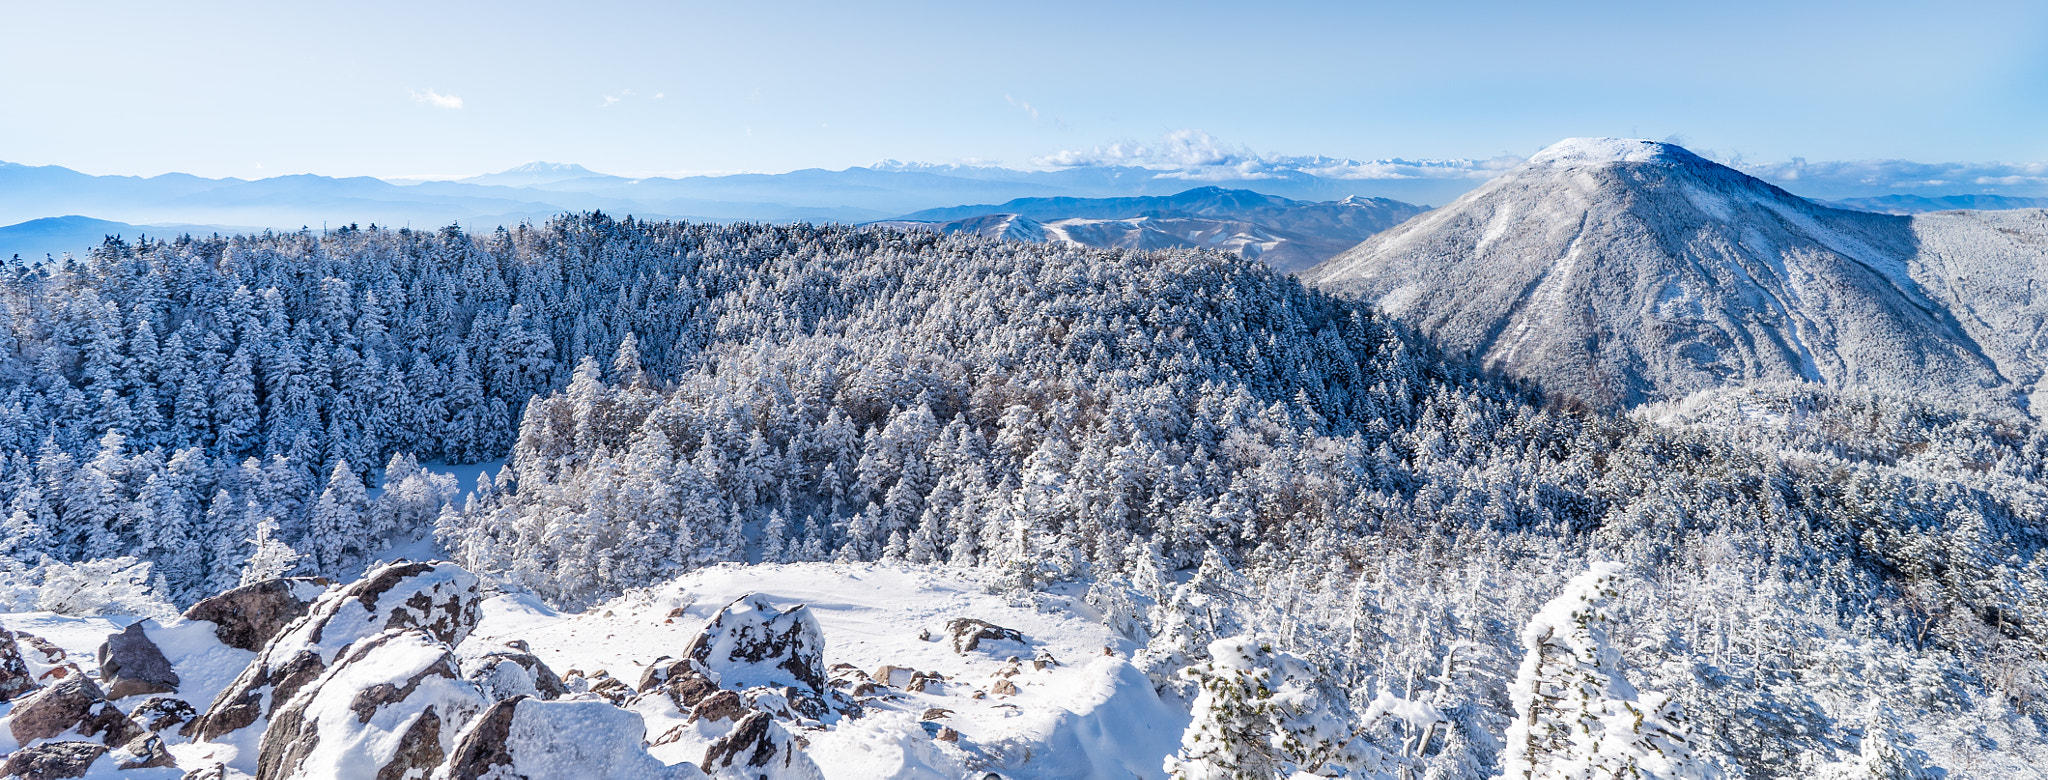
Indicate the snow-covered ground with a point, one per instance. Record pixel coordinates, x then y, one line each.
1085 713
1091 715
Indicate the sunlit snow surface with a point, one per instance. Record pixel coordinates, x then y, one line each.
1093 715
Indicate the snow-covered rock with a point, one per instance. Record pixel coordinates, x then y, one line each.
1093 716
390 707
753 643
503 674
437 598
759 748
52 760
565 740
969 633
76 707
15 677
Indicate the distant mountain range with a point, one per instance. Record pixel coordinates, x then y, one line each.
1289 235
1918 204
539 190
50 236
1622 272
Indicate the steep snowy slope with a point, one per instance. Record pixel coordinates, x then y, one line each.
1623 271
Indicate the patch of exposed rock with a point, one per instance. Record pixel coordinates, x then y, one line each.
132 665
250 616
969 633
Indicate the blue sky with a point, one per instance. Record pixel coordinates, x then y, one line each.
440 89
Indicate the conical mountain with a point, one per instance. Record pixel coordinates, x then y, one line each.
1624 271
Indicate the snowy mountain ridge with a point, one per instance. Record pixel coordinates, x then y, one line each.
1623 271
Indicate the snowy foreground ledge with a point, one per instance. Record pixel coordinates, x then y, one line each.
901 698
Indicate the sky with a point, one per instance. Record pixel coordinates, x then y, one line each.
452 89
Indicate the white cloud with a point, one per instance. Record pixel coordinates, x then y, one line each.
428 97
1195 155
1845 179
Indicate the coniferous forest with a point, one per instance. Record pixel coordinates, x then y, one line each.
1196 448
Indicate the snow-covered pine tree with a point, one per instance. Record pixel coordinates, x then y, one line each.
1262 714
268 557
1575 716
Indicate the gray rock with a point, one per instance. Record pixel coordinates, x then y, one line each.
53 760
74 703
969 633
248 617
15 677
132 665
162 712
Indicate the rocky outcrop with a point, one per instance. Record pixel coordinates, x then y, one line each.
250 616
162 712
969 633
679 680
53 760
566 740
390 707
132 665
508 673
758 746
15 678
44 658
751 643
77 706
439 599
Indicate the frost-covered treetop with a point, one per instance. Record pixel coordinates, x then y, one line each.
1599 151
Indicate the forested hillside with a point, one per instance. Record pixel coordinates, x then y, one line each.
1204 447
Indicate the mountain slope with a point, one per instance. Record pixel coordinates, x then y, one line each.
51 236
1289 235
1621 271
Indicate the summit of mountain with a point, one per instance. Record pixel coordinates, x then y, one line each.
1623 271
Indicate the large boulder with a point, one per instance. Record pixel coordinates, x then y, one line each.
759 747
439 598
752 644
389 707
76 706
969 633
508 673
558 740
15 677
160 713
248 617
132 665
53 760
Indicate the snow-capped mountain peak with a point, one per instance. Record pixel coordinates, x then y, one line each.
1600 151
